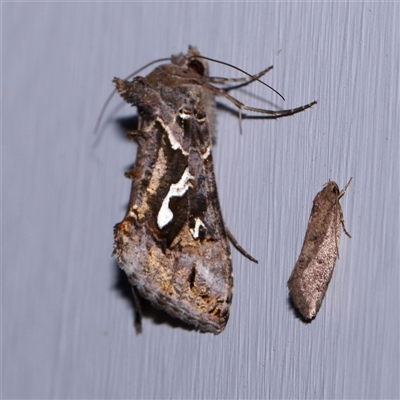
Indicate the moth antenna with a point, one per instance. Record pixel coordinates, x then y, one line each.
344 189
241 70
107 102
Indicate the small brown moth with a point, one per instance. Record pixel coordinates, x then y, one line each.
173 243
314 268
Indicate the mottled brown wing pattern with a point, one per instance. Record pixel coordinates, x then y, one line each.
313 271
172 243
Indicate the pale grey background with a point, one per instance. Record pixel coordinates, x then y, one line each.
67 326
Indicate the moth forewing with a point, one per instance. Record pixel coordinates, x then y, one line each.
172 242
313 271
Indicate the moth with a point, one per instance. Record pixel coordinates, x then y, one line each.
313 271
173 242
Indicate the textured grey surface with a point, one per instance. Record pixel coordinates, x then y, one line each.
67 326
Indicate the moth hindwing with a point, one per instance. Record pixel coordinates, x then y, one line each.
172 243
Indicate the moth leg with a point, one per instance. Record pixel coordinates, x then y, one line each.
241 106
344 229
246 80
138 310
238 246
133 134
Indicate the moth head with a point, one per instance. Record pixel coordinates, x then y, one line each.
193 61
196 66
332 187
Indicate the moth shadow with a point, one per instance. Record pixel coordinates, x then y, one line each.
126 124
296 312
159 317
228 109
